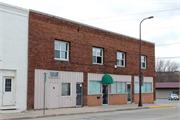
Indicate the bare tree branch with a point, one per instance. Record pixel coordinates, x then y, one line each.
167 71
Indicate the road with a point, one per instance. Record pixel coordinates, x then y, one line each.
144 114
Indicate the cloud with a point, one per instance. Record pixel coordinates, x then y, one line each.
121 16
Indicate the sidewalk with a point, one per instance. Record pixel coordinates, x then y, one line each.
71 111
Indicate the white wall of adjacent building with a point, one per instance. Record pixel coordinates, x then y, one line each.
13 57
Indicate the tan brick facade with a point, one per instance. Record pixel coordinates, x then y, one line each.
145 97
44 29
117 99
92 100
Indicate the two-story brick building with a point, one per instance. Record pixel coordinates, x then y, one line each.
85 65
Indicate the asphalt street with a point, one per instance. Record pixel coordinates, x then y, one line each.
144 114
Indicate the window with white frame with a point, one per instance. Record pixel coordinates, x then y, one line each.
143 62
119 87
94 87
121 59
66 89
146 88
61 50
97 55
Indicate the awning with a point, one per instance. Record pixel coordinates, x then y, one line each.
107 79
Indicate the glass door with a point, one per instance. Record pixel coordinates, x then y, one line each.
79 94
105 94
128 92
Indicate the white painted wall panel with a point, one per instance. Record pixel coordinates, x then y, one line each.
14 49
146 79
54 99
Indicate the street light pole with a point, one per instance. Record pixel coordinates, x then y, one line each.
140 101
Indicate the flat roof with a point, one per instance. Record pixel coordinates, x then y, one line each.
61 18
167 84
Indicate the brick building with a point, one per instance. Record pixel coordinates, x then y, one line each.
85 65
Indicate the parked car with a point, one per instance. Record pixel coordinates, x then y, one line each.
173 97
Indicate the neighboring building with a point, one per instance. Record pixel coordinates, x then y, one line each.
85 65
163 89
13 57
167 83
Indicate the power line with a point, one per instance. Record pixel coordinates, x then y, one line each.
153 28
125 20
168 57
166 44
129 14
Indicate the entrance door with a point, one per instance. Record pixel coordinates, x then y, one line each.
128 92
79 94
105 94
53 95
8 96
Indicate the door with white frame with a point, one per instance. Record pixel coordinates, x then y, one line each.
129 92
8 92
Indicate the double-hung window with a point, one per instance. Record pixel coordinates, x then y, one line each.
121 59
97 55
143 62
61 50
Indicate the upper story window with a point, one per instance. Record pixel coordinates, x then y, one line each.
121 59
143 62
97 55
61 50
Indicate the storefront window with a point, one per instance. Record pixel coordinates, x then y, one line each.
123 87
146 88
94 87
119 87
136 87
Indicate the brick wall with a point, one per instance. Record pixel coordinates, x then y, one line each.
145 97
43 30
92 100
117 99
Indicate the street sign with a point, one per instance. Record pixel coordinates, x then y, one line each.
142 78
44 77
44 93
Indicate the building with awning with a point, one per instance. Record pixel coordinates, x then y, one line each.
84 65
107 79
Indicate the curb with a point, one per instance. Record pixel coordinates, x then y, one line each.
51 115
162 106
